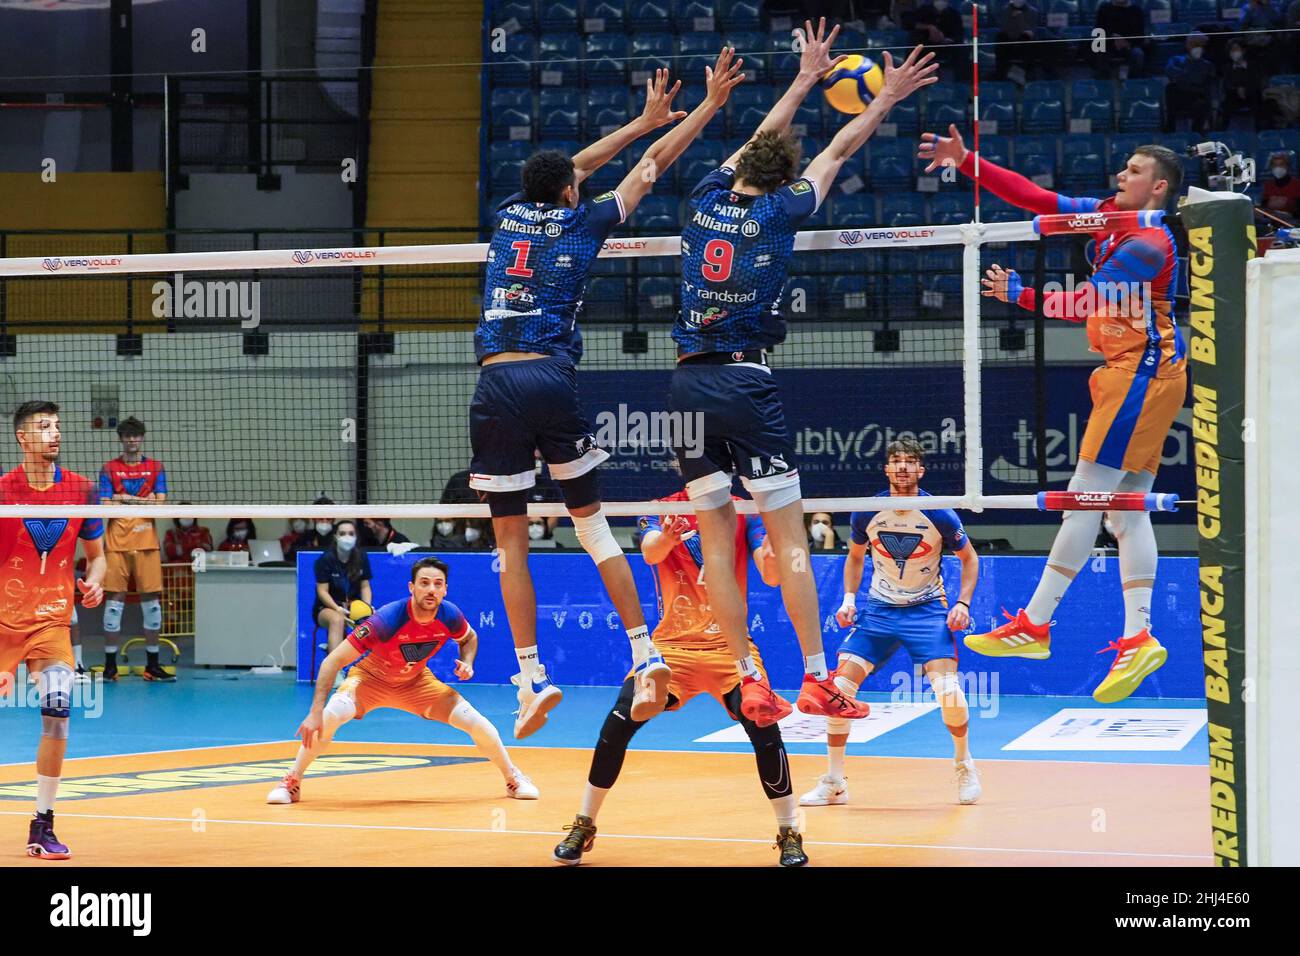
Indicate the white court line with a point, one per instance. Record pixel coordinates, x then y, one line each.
617 836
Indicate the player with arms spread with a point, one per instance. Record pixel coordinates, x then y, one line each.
1128 306
735 256
391 649
690 640
37 568
906 607
529 345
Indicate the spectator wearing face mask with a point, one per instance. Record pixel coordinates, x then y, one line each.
383 532
319 531
1190 91
184 537
1124 54
239 531
342 576
298 528
474 534
1242 84
821 529
1281 188
539 530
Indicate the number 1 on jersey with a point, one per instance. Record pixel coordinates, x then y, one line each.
718 254
520 268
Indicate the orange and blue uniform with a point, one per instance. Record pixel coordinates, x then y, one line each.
132 543
37 569
688 635
397 648
1128 306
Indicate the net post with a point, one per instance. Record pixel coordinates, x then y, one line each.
972 238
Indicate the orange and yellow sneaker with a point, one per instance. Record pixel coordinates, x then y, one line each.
761 704
1136 657
1019 637
824 699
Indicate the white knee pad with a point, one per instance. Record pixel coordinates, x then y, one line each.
710 492
948 691
464 717
152 611
113 616
773 499
596 538
340 709
839 725
74 622
54 687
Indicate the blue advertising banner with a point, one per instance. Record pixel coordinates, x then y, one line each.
583 642
840 428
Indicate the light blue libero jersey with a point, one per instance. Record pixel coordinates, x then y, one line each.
735 255
537 265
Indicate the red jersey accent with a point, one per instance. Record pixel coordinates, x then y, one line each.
142 479
399 646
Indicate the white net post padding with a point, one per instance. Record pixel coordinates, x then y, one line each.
1272 563
970 365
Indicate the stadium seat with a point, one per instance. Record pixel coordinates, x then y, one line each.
1160 11
604 16
906 117
807 119
691 16
902 291
506 160
740 14
691 95
559 16
784 63
607 59
1042 145
649 52
938 116
607 109
747 108
956 93
1081 90
521 11
1100 114
558 55
515 67
1084 169
1199 11
848 296
1043 107
1040 167
1121 148
656 296
1279 139
901 209
857 210
608 176
890 164
1001 113
512 109
698 50
935 259
1140 115
647 15
693 171
605 297
559 112
657 214
998 91
752 47
1145 88
1058 8
996 149
803 297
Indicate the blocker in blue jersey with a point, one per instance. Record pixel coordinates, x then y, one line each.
735 255
528 346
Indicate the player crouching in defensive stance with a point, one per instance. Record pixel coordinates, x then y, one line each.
398 640
693 645
906 606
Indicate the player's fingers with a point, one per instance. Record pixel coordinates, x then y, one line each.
889 62
952 131
835 31
839 59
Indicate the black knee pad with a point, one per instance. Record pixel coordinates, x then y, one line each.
581 491
773 764
615 735
506 504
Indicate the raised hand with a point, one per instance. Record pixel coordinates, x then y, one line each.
939 150
659 101
909 76
724 76
815 59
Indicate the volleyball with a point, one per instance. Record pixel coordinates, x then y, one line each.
359 610
853 84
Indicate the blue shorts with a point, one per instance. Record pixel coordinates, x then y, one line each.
737 426
921 628
522 406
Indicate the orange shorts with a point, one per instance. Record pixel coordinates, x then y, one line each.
52 642
144 567
423 695
704 670
1131 418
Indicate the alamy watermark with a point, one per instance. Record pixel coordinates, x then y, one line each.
211 299
85 696
624 429
980 687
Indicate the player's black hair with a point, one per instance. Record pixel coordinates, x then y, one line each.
352 566
27 409
770 160
130 428
1168 166
545 175
905 446
429 562
230 527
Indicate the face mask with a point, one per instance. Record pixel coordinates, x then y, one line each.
472 535
240 534
299 526
535 531
818 530
346 542
1237 56
444 528
1279 172
187 522
324 527
1197 52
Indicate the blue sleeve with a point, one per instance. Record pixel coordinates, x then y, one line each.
1136 260
1072 204
724 177
648 523
105 484
453 619
91 529
949 527
800 200
160 486
858 522
755 533
603 214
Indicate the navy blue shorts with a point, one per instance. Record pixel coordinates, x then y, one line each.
522 406
882 628
743 427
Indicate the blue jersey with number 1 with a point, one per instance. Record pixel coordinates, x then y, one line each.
735 255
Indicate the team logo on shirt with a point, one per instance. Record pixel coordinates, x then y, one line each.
553 229
604 197
801 187
362 632
518 292
901 547
710 315
417 651
749 228
45 532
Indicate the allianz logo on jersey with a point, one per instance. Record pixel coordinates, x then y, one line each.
517 293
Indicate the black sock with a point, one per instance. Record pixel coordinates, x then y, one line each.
152 659
47 816
110 657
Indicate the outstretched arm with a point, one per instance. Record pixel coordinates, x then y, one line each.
658 112
814 62
912 74
722 78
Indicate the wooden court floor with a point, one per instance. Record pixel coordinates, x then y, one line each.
389 804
